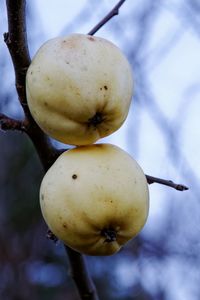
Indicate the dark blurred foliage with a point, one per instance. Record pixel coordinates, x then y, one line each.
160 260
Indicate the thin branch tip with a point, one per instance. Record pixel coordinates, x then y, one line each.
114 11
169 183
181 187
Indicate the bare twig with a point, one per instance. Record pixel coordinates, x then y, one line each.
80 274
110 15
17 44
178 187
7 123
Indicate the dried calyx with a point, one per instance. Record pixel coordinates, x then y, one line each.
109 234
96 119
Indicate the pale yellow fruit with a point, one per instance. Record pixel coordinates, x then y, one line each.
79 88
95 198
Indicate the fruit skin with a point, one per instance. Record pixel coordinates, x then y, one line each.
79 88
93 189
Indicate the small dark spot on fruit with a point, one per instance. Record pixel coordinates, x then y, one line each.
105 87
42 197
91 38
45 103
64 225
74 176
101 89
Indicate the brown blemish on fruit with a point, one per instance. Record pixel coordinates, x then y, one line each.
74 176
91 38
64 225
105 88
69 43
42 197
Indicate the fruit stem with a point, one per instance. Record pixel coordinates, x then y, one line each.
109 234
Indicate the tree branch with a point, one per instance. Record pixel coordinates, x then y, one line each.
110 15
16 41
178 187
80 274
7 123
